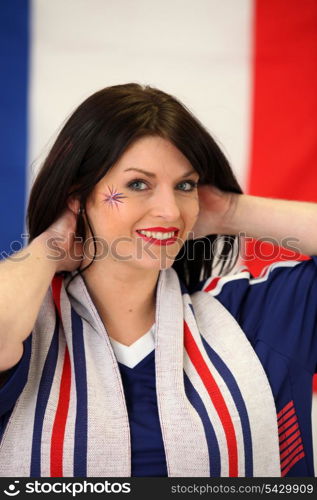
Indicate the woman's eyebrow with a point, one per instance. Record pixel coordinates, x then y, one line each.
151 174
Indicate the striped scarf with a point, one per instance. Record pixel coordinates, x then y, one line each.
216 408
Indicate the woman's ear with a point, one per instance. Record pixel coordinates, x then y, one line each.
73 204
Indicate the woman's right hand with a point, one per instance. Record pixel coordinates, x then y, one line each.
63 247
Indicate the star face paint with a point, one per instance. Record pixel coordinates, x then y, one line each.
114 198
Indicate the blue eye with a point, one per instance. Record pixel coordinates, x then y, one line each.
193 185
137 181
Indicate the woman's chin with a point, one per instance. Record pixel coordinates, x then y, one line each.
154 264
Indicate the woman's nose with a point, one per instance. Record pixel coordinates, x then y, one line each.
166 205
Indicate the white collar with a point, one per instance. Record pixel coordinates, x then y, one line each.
133 354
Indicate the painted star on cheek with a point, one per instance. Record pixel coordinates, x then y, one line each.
114 198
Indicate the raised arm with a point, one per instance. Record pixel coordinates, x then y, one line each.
258 217
24 280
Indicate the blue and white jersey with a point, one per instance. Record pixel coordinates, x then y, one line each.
277 313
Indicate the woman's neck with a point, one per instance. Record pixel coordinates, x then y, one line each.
124 299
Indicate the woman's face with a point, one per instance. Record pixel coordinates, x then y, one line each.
126 201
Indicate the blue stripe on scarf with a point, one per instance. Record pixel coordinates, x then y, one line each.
212 443
81 424
232 385
42 399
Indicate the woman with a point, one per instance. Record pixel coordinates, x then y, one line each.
126 356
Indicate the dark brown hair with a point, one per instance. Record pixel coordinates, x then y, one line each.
94 138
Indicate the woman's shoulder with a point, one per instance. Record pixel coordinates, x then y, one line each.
283 276
279 307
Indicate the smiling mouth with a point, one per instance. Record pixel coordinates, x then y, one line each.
158 234
163 239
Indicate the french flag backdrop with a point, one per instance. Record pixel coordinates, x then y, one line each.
246 68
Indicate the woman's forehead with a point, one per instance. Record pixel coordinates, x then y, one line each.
152 160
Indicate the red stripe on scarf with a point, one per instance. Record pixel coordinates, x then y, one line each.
56 291
58 433
216 398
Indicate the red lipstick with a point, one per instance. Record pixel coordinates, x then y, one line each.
155 241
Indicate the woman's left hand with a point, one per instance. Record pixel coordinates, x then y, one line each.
215 210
